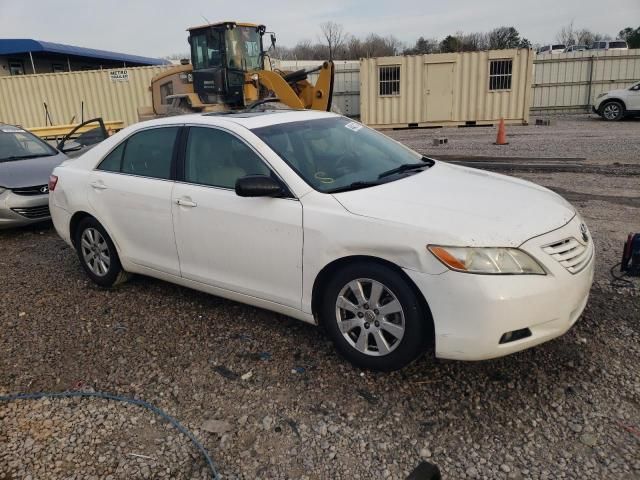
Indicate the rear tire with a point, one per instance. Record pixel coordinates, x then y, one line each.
612 111
374 317
97 254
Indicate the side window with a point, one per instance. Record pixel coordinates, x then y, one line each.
149 153
218 159
112 162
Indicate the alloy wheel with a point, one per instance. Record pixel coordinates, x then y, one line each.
95 252
611 111
370 317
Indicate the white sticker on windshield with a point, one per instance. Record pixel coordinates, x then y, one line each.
11 130
353 126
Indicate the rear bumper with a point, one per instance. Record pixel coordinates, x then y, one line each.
61 222
471 313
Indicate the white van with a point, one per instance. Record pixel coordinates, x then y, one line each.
551 49
610 45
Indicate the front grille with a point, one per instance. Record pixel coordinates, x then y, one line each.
41 211
571 254
37 190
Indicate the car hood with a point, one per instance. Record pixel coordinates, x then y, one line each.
464 206
28 172
616 93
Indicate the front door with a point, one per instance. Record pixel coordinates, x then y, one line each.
438 91
251 246
633 99
130 192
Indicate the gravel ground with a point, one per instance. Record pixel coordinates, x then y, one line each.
269 397
576 136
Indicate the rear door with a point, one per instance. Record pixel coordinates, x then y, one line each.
251 246
130 191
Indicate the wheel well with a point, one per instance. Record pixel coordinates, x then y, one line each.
74 222
611 100
322 278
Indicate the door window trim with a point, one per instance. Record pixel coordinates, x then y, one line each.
182 159
174 155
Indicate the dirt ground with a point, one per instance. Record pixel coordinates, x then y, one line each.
288 406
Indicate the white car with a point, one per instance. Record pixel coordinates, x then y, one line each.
552 49
616 104
318 217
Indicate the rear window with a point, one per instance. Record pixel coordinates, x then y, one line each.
617 44
559 47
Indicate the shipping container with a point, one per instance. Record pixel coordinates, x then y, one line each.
470 88
113 94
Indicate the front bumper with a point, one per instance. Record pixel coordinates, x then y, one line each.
471 313
19 210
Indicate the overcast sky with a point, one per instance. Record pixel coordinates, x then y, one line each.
157 27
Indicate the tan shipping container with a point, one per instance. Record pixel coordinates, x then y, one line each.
113 94
470 88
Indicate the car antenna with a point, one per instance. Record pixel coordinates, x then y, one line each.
205 19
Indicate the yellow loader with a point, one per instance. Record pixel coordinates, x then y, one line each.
230 70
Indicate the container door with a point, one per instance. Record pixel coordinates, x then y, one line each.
439 91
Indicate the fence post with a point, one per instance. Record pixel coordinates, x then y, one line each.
590 83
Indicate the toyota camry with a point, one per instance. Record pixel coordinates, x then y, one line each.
318 217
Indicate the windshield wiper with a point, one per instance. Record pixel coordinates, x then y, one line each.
23 157
353 186
405 168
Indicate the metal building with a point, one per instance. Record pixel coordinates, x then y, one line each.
25 56
470 88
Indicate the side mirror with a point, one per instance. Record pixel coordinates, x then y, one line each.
273 40
70 146
258 186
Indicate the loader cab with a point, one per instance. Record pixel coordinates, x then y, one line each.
221 54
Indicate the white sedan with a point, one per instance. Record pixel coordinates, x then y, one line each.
318 217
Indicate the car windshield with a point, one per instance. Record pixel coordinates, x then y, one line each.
17 144
337 154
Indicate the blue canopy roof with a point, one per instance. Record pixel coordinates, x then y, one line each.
13 46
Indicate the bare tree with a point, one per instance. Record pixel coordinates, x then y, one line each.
334 36
567 35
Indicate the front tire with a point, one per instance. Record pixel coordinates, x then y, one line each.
374 317
612 111
98 254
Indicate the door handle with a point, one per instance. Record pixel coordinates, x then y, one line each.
186 203
98 185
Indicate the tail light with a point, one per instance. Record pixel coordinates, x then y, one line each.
53 181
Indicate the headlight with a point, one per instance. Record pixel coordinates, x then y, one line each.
493 261
603 94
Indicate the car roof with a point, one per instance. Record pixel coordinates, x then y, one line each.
246 119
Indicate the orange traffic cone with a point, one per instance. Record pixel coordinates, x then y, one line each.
501 139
